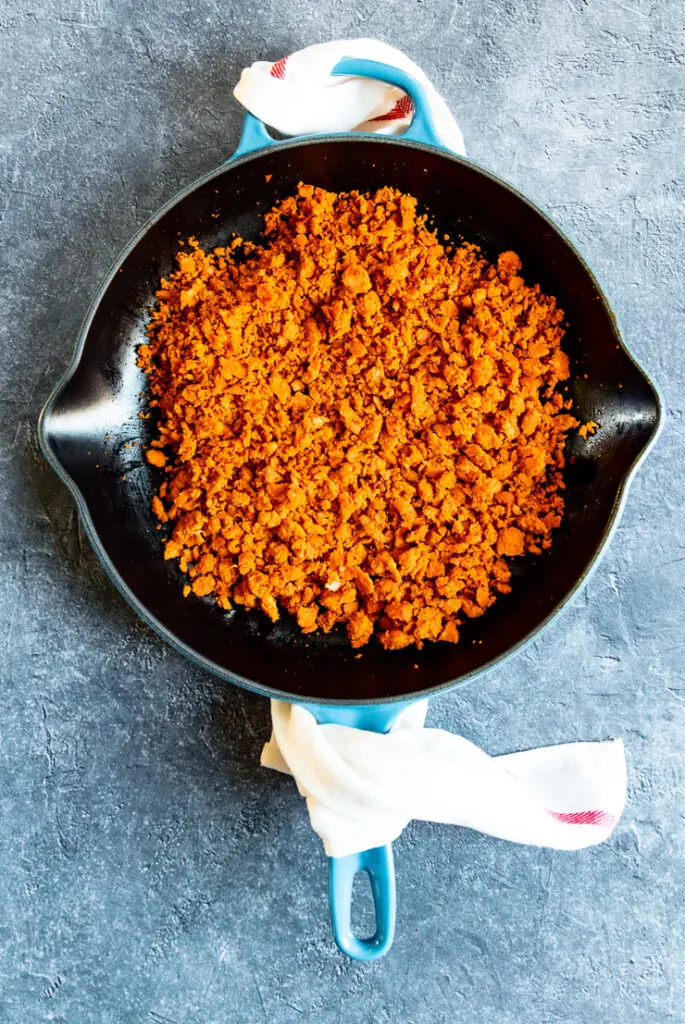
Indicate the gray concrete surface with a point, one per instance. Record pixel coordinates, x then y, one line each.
150 872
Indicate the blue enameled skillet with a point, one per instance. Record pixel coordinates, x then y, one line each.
92 435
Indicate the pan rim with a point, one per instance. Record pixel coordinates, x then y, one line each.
141 610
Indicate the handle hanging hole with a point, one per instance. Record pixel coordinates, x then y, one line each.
363 913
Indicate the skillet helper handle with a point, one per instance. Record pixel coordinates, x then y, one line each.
377 862
422 128
253 137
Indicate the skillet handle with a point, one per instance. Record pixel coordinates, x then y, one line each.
422 128
377 862
379 865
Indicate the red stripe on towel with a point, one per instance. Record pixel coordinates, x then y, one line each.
584 817
278 69
403 108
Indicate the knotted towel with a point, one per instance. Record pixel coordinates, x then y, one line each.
363 788
298 95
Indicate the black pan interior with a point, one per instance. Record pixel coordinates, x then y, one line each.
94 436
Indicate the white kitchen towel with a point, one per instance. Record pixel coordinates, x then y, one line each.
298 95
363 788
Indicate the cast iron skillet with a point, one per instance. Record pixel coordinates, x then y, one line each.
92 435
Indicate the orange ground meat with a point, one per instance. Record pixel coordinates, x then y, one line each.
360 426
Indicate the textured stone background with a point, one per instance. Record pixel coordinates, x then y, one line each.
150 872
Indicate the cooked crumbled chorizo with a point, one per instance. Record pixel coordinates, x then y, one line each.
155 457
588 429
356 424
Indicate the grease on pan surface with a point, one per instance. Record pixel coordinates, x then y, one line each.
357 423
